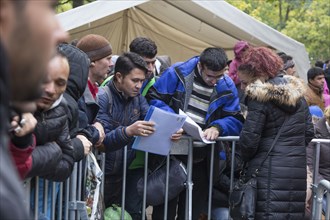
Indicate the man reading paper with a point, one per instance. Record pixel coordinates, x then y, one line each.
201 89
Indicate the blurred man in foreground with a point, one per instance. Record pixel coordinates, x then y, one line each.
29 33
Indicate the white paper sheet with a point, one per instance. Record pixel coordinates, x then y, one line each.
193 129
167 123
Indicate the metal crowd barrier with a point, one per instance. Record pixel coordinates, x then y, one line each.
319 189
188 150
66 200
60 200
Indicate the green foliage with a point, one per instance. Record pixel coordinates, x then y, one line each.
307 21
64 5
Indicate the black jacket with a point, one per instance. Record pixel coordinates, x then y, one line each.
282 178
77 81
53 156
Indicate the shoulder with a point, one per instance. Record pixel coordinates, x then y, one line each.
225 83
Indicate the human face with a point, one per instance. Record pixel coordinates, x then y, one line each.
57 77
151 64
130 84
318 81
245 79
291 71
100 69
211 77
30 34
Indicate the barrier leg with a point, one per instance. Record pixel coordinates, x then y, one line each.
188 213
210 183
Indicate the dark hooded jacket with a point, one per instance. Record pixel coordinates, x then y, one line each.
88 109
77 81
282 178
53 156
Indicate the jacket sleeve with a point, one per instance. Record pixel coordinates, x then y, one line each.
78 149
45 158
309 132
63 169
115 135
22 157
224 110
162 91
252 130
54 160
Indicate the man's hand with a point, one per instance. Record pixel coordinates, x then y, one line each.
140 128
211 133
99 127
86 143
177 135
25 126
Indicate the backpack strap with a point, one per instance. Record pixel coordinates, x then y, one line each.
150 83
107 91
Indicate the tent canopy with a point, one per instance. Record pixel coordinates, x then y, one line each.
181 29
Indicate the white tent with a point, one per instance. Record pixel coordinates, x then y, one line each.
181 29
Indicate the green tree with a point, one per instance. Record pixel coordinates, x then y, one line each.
307 21
64 5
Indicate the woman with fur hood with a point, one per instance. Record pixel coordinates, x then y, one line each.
271 98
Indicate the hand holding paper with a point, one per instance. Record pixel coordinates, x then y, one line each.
193 129
166 124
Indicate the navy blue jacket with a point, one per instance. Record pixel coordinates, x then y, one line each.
115 117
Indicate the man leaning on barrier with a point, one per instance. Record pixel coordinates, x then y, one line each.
122 110
201 89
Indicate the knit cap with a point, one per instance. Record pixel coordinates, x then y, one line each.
95 46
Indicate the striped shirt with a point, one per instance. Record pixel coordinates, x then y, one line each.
199 100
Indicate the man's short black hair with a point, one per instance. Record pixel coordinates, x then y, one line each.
319 63
128 61
314 72
143 46
214 58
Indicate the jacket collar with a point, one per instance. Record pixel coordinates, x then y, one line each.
286 90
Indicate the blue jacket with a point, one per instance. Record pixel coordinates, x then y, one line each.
172 91
115 116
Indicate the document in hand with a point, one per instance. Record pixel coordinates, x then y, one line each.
193 129
167 123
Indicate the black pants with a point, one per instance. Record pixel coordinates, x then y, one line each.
112 190
177 206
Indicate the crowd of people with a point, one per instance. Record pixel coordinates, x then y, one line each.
66 99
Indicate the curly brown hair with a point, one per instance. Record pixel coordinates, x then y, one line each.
260 62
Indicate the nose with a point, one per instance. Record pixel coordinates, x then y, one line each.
150 67
139 84
213 81
111 64
50 89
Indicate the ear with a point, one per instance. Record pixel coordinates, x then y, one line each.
118 76
199 65
92 64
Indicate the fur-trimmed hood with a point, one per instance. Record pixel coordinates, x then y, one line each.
284 91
